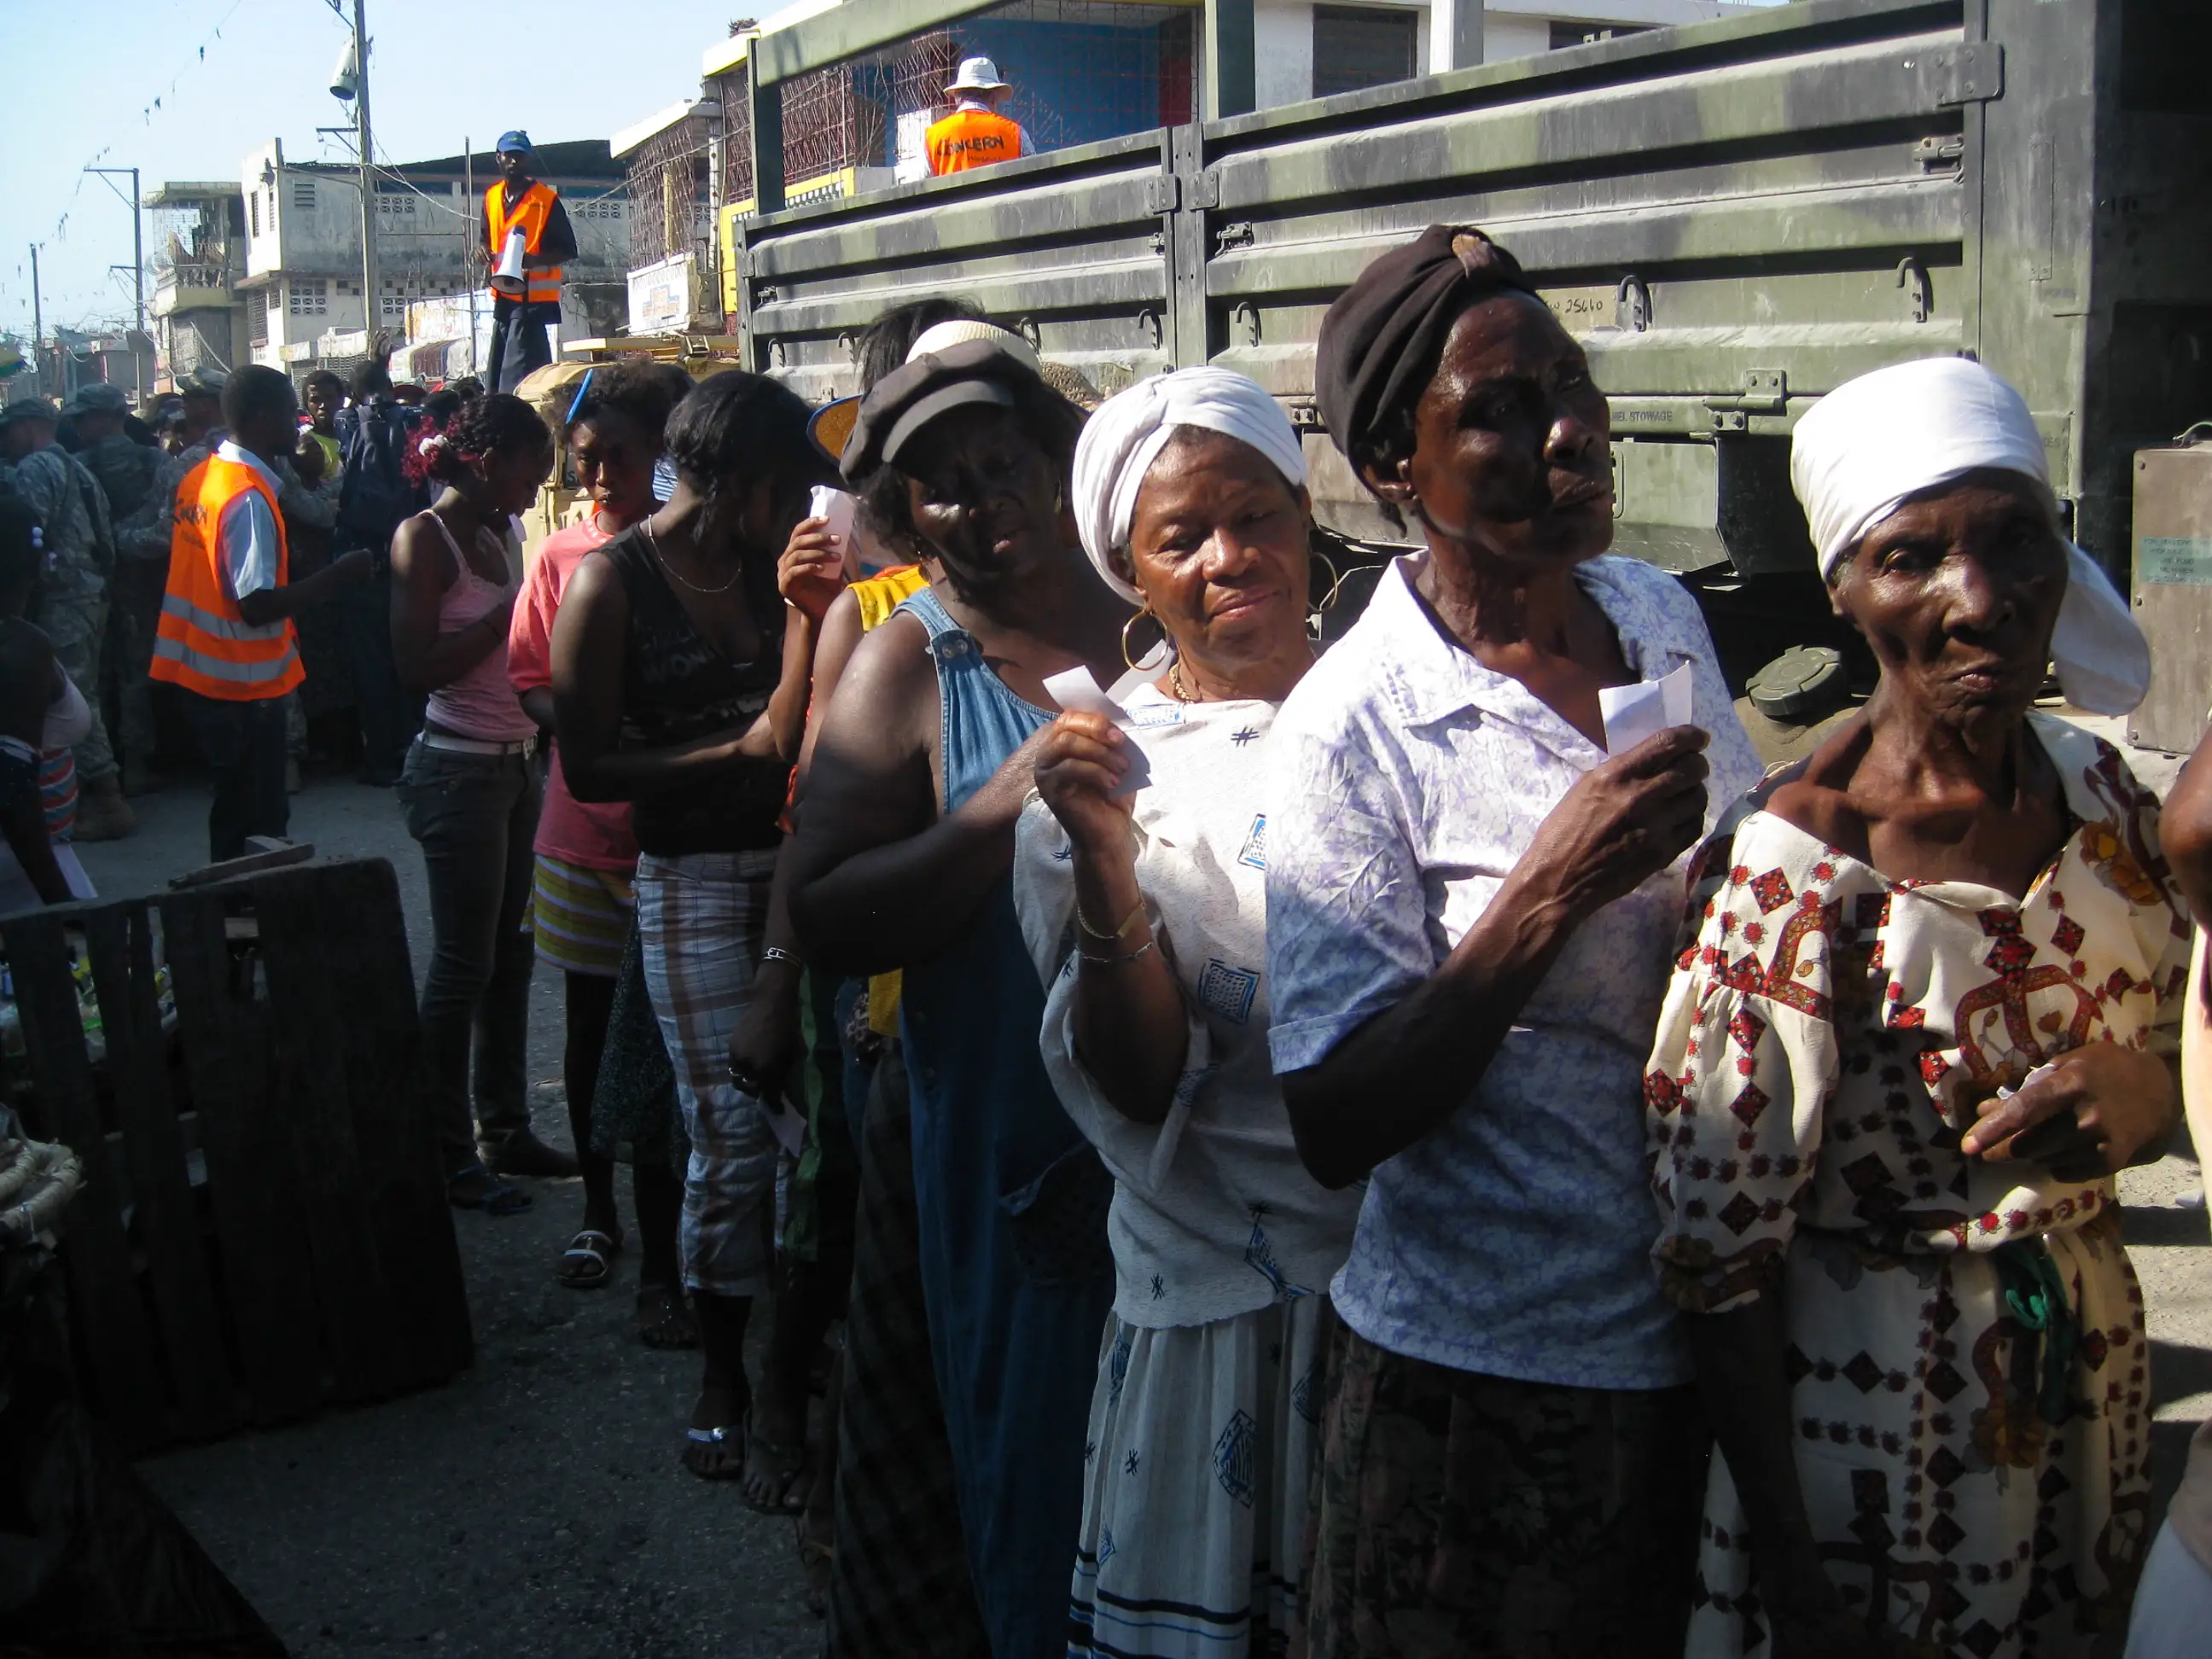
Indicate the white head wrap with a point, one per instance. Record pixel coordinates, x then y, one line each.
1871 444
1126 433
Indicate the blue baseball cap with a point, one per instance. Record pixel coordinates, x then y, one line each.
517 142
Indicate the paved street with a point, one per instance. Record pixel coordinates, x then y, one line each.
534 1506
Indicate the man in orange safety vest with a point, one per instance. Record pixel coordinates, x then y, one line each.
519 320
974 135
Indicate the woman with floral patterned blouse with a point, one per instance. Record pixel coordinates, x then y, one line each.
1927 1008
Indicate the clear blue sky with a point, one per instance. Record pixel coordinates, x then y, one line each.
81 72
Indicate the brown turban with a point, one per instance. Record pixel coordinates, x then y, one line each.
1380 342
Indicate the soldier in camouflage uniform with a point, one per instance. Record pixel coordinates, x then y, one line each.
73 600
127 470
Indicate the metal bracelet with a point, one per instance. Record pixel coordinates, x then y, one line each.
777 953
1115 962
1121 932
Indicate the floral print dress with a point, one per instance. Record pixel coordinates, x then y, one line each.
1965 1339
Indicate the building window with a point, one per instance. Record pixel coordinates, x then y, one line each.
303 193
255 203
307 296
1583 35
1357 47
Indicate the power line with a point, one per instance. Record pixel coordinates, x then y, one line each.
145 115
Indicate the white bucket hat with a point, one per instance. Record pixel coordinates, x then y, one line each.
977 75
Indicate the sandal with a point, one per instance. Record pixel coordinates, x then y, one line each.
716 1454
776 1491
477 1188
664 1321
588 1262
816 1560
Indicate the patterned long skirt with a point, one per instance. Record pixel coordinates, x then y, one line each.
899 1584
1199 1468
1463 1516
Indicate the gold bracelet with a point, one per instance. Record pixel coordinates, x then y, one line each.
1115 961
1121 932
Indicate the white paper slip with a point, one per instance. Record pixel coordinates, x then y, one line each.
1076 689
834 505
1634 713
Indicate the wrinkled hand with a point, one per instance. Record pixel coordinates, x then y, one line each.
2089 1114
810 573
1624 821
767 1040
1079 765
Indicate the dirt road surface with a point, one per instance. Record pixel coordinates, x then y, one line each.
535 1506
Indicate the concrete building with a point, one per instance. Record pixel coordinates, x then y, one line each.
301 280
1304 50
198 232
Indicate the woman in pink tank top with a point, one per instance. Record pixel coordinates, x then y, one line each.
471 789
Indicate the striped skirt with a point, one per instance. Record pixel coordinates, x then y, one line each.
1200 1459
582 916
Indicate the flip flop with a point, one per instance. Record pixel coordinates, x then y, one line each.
588 1263
781 1480
664 1323
716 1454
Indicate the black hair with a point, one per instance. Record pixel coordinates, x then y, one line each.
468 387
252 391
370 377
324 377
1054 423
639 390
501 421
22 560
885 342
443 404
738 427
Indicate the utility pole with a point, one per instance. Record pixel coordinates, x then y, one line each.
137 264
38 321
469 240
372 309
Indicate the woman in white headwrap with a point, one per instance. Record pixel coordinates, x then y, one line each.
1928 1004
1140 881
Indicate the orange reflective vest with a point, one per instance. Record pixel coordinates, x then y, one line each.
532 213
203 643
971 138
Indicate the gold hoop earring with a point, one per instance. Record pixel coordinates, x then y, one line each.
1126 627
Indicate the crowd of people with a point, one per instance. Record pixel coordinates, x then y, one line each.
1328 1151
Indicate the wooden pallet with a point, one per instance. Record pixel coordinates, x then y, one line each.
264 1230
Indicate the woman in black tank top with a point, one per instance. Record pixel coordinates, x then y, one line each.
680 681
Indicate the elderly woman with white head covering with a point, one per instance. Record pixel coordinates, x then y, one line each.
1140 881
1929 1004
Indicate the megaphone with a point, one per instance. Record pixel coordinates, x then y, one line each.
345 79
508 278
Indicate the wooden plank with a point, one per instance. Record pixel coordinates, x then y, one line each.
300 937
395 1134
118 938
252 1177
110 1315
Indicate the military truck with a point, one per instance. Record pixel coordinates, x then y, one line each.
1734 216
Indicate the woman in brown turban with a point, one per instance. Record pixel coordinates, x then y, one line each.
1471 901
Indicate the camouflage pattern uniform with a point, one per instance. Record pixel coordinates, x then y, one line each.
72 604
130 473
